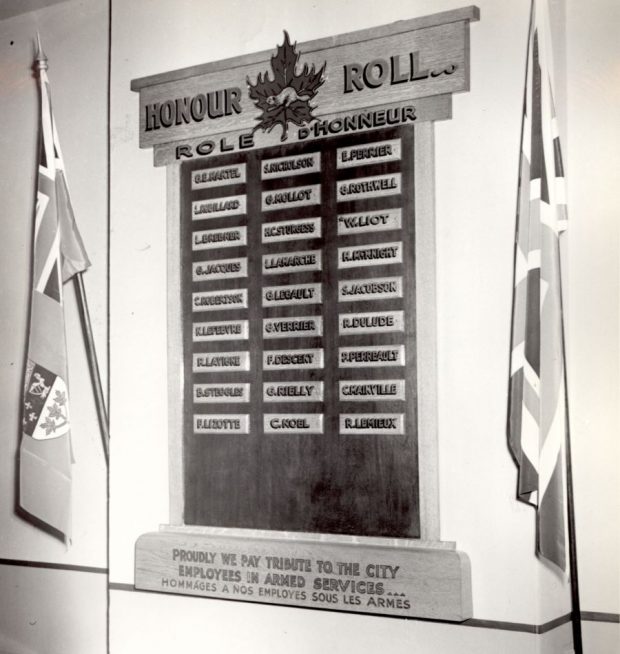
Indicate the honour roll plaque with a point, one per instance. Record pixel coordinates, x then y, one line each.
301 318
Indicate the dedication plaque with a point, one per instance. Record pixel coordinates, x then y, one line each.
303 459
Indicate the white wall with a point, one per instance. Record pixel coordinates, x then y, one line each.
74 36
47 611
593 169
476 173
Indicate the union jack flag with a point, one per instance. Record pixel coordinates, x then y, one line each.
537 419
58 254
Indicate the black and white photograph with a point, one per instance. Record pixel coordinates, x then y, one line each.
311 327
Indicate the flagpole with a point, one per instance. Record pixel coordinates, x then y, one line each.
102 413
570 501
40 65
572 547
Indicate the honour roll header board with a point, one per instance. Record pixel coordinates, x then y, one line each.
299 337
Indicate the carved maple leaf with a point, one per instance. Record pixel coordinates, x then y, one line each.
285 98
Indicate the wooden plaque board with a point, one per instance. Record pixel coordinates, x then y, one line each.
323 336
301 326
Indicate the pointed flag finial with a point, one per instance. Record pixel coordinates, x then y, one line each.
40 57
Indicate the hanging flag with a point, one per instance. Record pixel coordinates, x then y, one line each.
58 254
537 419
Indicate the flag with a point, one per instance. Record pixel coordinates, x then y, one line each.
58 254
537 416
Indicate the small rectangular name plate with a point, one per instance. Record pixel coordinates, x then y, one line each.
291 262
291 327
368 187
302 391
374 322
291 230
389 424
403 579
371 357
211 239
289 198
369 221
220 361
292 359
293 423
210 177
205 271
370 390
221 393
277 296
221 424
378 254
377 288
300 164
218 207
369 153
224 330
236 298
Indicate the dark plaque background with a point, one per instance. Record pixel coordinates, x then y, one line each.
328 483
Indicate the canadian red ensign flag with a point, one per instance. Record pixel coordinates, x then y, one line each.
58 254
